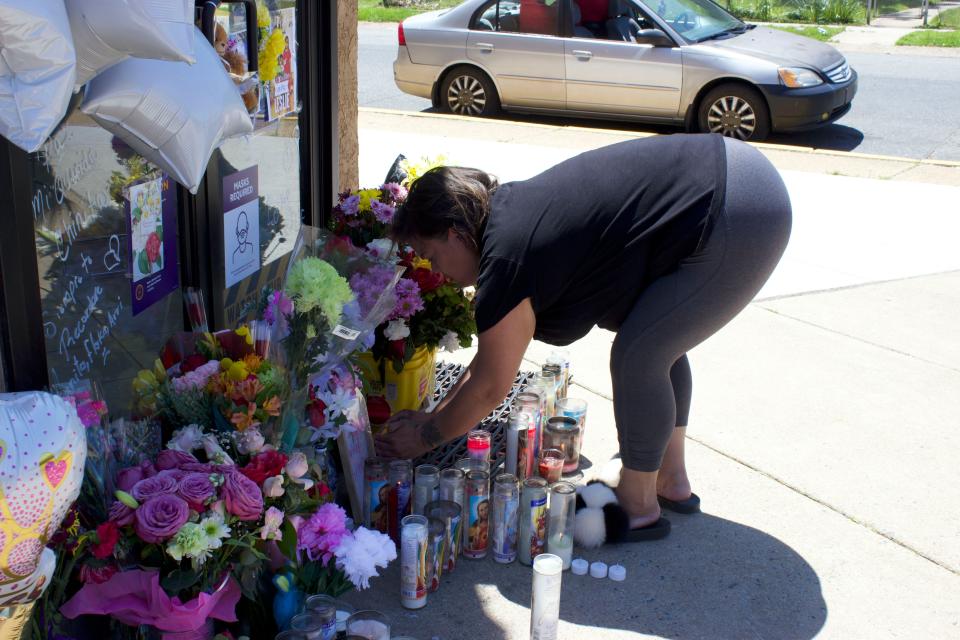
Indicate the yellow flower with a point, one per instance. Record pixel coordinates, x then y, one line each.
252 362
225 364
311 332
237 372
244 332
263 16
422 263
366 195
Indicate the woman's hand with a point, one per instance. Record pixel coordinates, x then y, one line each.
404 438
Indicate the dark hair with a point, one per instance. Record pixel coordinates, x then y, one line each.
446 198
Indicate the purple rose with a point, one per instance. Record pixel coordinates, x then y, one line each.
242 496
170 459
197 467
176 474
148 469
158 485
128 477
121 514
196 488
159 518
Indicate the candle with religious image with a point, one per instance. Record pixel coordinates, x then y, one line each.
401 494
563 511
478 518
530 404
376 495
414 540
426 487
506 518
533 519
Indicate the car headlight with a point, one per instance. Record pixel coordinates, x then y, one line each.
798 77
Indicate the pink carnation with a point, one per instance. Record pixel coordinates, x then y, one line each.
320 535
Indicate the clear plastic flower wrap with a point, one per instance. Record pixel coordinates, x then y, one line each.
333 298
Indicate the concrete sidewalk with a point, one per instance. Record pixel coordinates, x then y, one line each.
823 439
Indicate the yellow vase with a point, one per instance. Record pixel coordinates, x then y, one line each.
410 389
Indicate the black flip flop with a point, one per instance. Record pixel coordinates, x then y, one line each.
656 531
686 507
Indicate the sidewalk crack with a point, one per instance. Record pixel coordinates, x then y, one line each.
849 516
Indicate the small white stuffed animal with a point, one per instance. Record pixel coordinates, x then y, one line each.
600 518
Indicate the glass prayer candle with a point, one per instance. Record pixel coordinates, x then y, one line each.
551 465
577 409
449 513
557 372
437 532
401 492
369 624
531 404
549 383
453 487
478 445
426 487
469 464
414 539
562 358
290 634
545 597
310 625
478 515
563 511
516 424
563 433
376 495
327 609
506 518
526 463
533 520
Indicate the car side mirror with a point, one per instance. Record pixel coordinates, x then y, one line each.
654 37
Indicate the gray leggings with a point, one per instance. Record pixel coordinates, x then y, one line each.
652 383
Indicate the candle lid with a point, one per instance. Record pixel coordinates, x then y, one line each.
579 567
598 570
618 573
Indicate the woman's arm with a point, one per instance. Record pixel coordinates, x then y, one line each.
455 389
492 374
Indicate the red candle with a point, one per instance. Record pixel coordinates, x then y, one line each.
551 465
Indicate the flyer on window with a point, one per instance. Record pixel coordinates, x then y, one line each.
278 63
151 211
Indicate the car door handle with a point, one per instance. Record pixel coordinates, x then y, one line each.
582 54
485 46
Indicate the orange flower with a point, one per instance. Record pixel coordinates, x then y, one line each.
272 406
248 390
243 421
252 362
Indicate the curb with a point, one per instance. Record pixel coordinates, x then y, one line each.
639 134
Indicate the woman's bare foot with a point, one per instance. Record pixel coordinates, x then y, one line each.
672 481
637 493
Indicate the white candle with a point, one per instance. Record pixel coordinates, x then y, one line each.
545 605
370 629
561 545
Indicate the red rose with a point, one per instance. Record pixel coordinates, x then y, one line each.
265 465
192 362
316 415
235 345
378 409
427 280
153 246
108 534
396 349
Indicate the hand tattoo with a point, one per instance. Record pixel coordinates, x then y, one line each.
430 434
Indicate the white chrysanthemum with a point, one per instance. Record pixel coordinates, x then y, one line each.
187 439
396 330
214 530
361 553
450 342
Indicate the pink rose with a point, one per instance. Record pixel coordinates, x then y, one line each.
196 489
121 514
171 459
242 496
159 518
128 477
158 485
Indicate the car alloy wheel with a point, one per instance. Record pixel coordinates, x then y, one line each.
732 116
466 96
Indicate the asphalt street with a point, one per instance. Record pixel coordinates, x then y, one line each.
906 105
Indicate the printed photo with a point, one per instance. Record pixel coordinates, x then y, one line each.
146 225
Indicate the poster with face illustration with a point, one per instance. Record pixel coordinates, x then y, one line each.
241 225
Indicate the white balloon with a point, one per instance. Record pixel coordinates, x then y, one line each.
173 114
37 70
108 31
43 447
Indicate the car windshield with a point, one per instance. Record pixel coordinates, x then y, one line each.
697 20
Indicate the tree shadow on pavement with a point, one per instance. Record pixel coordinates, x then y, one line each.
711 578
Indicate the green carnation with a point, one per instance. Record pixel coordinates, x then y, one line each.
314 283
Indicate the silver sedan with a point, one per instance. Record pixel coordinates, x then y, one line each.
683 62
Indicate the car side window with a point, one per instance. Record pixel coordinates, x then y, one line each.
539 17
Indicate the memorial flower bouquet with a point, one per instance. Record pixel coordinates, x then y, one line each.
333 298
431 312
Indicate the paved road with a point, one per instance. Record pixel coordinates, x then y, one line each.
906 105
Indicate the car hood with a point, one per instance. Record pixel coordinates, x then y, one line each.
781 47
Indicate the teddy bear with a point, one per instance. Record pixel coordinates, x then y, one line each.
236 65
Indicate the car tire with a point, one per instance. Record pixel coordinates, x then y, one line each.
467 91
736 111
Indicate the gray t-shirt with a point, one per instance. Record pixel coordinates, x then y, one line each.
583 239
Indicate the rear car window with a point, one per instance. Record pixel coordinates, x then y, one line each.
519 16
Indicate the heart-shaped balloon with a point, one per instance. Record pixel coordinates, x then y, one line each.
37 486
